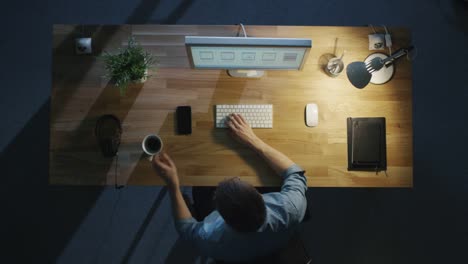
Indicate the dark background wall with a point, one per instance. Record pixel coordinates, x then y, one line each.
426 224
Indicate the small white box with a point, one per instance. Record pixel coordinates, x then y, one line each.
376 41
83 46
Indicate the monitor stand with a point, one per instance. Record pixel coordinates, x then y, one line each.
246 73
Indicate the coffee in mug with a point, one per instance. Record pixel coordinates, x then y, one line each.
152 145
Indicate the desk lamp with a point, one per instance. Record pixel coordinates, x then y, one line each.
360 73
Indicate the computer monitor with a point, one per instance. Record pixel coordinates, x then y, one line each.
247 56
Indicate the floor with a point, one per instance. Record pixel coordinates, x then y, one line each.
426 224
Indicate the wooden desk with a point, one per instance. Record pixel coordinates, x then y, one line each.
80 94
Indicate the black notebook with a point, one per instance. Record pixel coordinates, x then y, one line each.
367 148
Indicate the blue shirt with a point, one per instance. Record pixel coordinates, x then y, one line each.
284 211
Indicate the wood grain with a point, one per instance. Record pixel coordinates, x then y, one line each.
81 93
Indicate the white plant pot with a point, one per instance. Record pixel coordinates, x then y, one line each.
143 80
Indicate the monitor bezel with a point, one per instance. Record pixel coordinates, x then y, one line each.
197 41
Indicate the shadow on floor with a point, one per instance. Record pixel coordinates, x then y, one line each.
141 231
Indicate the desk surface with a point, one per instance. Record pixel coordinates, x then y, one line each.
81 93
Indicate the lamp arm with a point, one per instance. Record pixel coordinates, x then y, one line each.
399 53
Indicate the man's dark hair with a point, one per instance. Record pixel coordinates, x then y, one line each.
240 204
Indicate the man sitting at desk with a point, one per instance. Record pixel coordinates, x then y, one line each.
245 224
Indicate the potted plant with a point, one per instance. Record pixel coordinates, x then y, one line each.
129 65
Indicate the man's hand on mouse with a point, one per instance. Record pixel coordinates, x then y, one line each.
166 169
242 131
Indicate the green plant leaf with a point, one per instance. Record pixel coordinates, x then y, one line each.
128 65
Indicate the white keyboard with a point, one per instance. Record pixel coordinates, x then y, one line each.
258 116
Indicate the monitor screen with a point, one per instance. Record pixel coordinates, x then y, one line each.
247 53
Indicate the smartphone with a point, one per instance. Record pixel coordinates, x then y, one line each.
184 120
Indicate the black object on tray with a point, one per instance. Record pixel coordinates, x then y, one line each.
367 147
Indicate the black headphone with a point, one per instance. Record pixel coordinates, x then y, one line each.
109 144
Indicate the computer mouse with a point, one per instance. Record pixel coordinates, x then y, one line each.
311 115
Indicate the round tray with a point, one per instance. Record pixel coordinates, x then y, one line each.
383 75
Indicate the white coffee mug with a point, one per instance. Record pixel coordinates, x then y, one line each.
152 145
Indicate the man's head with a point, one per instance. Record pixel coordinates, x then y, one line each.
240 204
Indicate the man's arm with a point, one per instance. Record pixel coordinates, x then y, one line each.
187 227
179 207
243 133
166 168
277 160
294 184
